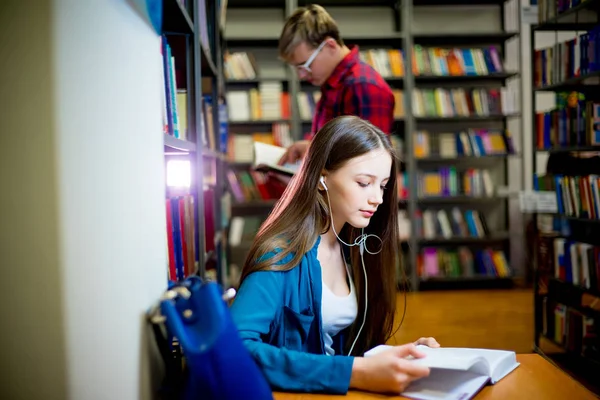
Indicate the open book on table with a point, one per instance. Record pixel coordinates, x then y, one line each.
266 157
456 373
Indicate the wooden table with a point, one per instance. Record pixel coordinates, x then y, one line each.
534 379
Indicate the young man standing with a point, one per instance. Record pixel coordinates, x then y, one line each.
311 42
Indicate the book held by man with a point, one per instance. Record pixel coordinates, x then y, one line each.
456 373
267 156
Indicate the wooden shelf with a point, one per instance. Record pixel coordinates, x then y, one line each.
176 19
255 81
394 40
259 122
174 145
445 3
349 3
565 20
502 76
358 3
441 39
252 42
568 149
252 208
575 83
454 79
572 296
461 240
459 199
474 118
256 4
458 159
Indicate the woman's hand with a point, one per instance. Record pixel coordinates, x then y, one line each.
427 341
389 371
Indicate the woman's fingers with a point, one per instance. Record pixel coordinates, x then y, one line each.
412 369
427 341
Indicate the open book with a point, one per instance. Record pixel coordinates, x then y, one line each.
456 373
266 157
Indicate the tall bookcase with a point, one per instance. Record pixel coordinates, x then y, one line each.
566 107
194 132
461 253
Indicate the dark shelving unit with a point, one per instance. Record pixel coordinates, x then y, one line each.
401 13
550 290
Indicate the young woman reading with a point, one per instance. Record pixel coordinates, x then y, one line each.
318 288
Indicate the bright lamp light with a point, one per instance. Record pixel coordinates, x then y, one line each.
178 173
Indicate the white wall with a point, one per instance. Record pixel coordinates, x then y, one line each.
82 227
111 188
33 361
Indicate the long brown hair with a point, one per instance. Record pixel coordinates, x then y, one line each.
301 216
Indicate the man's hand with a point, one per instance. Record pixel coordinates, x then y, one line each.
295 152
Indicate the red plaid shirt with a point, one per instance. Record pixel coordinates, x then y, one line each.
355 88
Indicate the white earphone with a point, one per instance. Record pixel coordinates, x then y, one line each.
322 180
360 241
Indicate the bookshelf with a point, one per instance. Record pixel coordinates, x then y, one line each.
389 28
194 122
567 232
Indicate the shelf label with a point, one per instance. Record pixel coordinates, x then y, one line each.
532 201
529 14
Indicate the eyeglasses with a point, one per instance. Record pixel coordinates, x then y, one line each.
306 66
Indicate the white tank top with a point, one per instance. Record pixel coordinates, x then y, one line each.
337 312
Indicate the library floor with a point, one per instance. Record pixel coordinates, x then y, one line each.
495 319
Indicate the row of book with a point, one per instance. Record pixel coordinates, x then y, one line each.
574 122
307 103
390 63
548 9
249 185
181 237
566 326
460 102
576 196
255 105
240 146
567 59
450 182
435 61
175 107
173 100
181 234
239 65
576 263
472 142
435 224
268 102
433 262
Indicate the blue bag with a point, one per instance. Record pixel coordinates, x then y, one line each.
216 365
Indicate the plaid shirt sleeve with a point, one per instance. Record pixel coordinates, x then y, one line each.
371 103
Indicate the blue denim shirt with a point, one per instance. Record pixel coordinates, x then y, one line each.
278 316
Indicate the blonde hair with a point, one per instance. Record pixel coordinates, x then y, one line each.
310 24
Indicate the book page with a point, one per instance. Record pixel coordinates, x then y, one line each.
454 359
443 384
493 363
444 358
498 363
501 362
